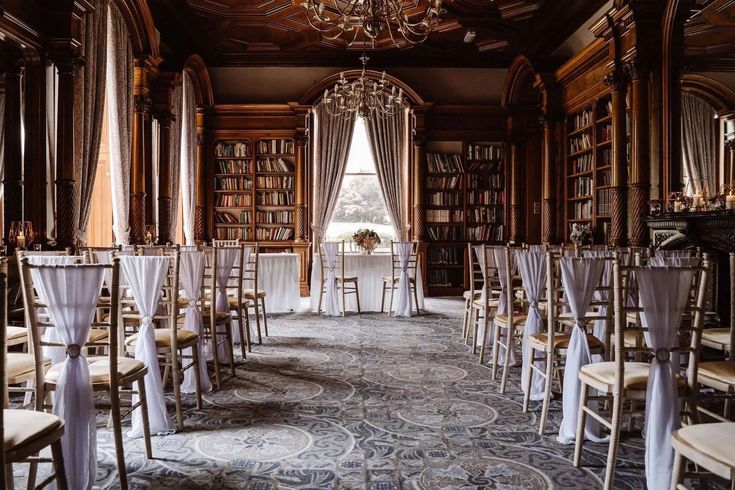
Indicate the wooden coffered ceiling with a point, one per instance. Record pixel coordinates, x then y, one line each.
276 33
709 36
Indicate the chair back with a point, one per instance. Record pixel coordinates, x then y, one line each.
339 266
396 267
250 266
226 243
475 272
489 270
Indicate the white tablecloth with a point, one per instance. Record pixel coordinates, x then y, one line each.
279 276
370 270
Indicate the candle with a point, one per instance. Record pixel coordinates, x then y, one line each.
20 240
730 201
696 201
677 206
149 237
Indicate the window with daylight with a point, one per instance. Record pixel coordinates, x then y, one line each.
360 203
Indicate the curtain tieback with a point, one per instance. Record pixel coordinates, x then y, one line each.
580 323
533 305
146 320
192 303
73 351
663 355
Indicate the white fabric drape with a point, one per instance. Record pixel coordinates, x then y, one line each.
191 274
699 128
403 301
672 261
188 158
663 296
501 262
532 266
580 277
145 276
601 295
120 115
72 296
485 260
226 257
244 261
52 94
331 296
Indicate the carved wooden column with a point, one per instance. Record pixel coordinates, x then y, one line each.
11 65
300 221
200 222
137 173
165 203
419 206
35 148
515 211
618 191
730 159
148 143
549 172
640 165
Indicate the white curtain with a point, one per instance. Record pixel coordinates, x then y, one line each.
331 297
226 257
699 128
580 277
188 158
145 276
532 266
72 296
191 274
244 261
52 94
120 115
600 329
503 300
403 302
663 296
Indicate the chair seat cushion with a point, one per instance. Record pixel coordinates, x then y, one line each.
22 427
561 340
710 441
99 369
21 365
717 338
480 303
233 302
722 372
220 317
163 337
518 320
250 293
467 295
97 334
13 334
635 375
390 279
347 278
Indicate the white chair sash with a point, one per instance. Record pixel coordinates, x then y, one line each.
191 271
580 277
499 257
484 260
403 301
601 295
674 253
226 257
532 267
245 260
674 261
145 276
331 298
663 297
71 297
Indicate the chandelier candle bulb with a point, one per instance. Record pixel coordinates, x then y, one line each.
730 201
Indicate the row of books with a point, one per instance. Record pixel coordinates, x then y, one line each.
605 157
582 163
479 151
231 218
491 181
582 210
274 234
582 120
605 133
275 198
444 233
443 199
582 187
239 149
444 163
604 201
234 200
275 182
232 233
485 233
233 183
446 256
452 182
443 278
234 166
485 215
604 177
284 217
485 198
444 216
580 142
276 146
273 165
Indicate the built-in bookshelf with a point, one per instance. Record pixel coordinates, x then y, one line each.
254 189
465 194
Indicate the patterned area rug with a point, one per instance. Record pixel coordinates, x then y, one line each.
364 402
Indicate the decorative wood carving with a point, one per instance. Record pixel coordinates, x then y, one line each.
141 106
300 219
419 208
200 219
548 224
515 210
616 80
640 167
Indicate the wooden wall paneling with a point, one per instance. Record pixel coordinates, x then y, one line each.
11 64
34 166
162 108
200 223
142 107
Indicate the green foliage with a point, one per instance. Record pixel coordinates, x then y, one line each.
361 202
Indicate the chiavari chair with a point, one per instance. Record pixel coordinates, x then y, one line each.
622 380
254 296
236 297
25 432
391 282
332 264
473 293
706 445
108 374
723 338
484 308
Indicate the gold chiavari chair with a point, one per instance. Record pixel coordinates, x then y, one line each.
253 294
622 380
391 282
723 338
108 374
171 341
347 283
708 446
483 309
25 432
236 297
473 293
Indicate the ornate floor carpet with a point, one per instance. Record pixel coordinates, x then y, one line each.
364 402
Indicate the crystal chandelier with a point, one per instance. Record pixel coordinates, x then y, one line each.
364 97
347 18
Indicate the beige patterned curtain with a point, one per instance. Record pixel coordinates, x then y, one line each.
332 140
698 144
175 159
120 63
388 139
52 94
188 158
89 91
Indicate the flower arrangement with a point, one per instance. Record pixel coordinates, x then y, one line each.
366 239
580 233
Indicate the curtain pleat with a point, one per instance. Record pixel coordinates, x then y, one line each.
699 144
174 159
188 158
90 93
332 145
52 100
120 111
